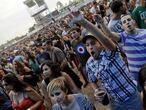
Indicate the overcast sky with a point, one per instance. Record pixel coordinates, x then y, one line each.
15 20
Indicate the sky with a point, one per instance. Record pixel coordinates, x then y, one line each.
15 19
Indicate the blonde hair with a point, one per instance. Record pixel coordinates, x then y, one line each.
58 83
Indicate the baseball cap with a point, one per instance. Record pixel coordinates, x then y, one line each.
87 37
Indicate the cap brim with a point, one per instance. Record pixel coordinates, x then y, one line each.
87 37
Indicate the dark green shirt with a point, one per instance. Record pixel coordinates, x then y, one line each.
139 15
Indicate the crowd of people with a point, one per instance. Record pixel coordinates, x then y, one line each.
101 45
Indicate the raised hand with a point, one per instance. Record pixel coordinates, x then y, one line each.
75 13
77 16
98 19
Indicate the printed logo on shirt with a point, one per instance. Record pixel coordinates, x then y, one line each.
80 49
117 27
143 15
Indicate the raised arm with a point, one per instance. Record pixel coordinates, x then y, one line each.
105 41
32 94
70 82
112 35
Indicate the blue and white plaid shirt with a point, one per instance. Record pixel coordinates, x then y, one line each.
114 74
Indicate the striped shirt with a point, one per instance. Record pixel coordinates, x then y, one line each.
114 74
134 46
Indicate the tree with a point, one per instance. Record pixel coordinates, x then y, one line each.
31 29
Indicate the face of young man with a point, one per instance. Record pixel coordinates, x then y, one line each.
128 23
75 34
93 47
49 46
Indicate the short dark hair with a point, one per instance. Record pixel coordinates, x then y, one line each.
74 29
11 79
55 68
48 42
116 5
94 2
123 15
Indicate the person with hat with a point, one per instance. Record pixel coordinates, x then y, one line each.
105 64
132 42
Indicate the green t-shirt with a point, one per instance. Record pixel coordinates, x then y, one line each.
139 15
34 66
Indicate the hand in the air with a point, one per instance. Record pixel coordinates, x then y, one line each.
99 95
77 16
98 19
